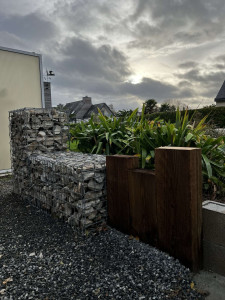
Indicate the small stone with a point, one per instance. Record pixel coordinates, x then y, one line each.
57 129
47 124
41 134
93 185
87 175
85 222
88 166
2 291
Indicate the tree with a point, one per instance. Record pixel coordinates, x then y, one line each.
150 106
124 113
167 107
60 107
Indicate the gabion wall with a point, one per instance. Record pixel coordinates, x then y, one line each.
68 185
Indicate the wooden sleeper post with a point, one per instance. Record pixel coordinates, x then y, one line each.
179 203
117 167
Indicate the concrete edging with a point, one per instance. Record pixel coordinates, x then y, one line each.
214 237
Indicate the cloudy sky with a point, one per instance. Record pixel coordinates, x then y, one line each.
123 52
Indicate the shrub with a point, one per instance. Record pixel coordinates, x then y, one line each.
215 115
139 136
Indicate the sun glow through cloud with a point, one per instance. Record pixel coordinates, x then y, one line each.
136 78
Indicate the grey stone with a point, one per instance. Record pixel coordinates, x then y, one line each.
92 195
93 185
57 129
70 185
85 222
99 177
87 175
41 134
47 124
88 166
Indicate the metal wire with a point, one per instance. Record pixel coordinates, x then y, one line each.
66 184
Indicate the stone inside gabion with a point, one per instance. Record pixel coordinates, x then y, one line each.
68 185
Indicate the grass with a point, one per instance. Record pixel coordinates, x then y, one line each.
72 146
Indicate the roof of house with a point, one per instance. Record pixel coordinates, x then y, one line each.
79 108
84 110
94 109
221 95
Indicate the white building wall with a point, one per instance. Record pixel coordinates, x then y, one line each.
20 86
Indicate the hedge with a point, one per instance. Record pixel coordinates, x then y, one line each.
216 115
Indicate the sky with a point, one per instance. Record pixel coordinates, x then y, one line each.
123 52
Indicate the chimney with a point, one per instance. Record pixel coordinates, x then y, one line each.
87 100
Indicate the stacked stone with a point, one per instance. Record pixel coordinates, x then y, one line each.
70 186
34 131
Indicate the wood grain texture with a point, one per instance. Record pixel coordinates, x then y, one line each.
142 199
117 167
179 203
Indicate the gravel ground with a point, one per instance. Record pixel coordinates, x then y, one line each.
42 258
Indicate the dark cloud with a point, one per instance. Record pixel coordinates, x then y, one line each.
9 40
184 84
149 88
219 66
195 76
202 81
188 65
102 62
84 68
160 23
220 58
29 27
96 47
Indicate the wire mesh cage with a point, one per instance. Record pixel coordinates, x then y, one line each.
71 186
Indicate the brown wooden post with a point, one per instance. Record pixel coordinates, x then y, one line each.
179 203
143 205
117 167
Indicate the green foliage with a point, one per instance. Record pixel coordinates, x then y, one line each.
124 113
138 136
105 135
167 107
73 145
215 115
150 106
60 107
213 161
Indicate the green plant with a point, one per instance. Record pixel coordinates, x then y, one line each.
215 115
73 145
138 136
213 162
150 106
104 136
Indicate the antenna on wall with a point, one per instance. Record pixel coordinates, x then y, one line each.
49 74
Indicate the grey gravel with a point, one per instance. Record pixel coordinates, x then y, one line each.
42 258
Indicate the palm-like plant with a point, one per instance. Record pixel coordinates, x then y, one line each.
137 136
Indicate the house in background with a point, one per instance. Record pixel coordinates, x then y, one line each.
84 109
220 98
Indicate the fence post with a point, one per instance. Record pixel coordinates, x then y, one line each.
117 167
179 203
143 205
